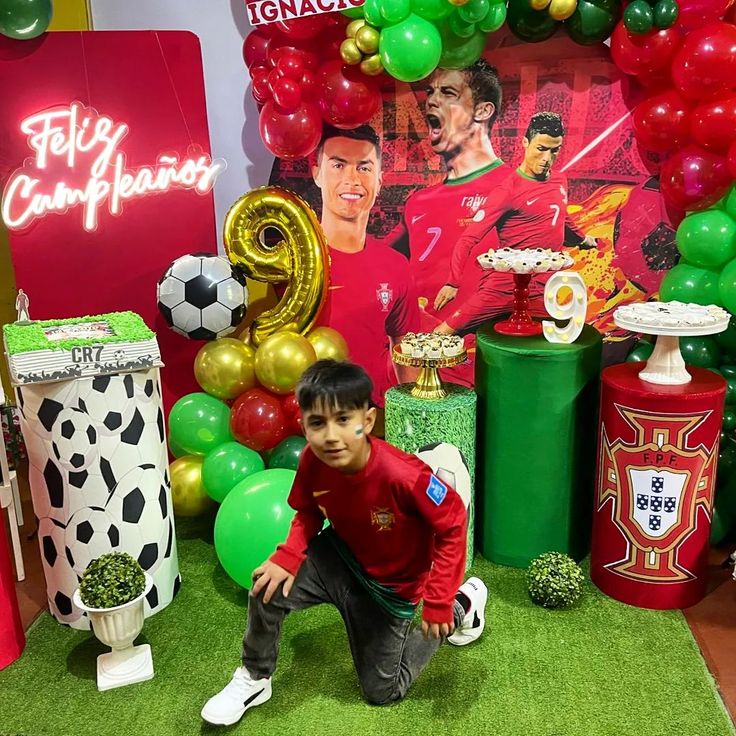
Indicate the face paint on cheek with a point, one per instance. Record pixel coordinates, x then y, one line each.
359 431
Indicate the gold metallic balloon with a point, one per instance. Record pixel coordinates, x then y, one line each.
281 359
354 26
187 492
366 39
562 9
349 52
301 258
328 343
225 368
372 65
538 4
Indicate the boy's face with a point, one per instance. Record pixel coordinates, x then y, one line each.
339 437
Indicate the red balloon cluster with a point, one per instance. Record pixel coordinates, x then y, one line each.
260 419
299 81
690 117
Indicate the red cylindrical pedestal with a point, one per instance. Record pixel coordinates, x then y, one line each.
12 638
657 456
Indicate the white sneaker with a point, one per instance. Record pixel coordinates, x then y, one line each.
475 619
241 693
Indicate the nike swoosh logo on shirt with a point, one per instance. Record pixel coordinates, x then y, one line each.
416 218
319 493
531 201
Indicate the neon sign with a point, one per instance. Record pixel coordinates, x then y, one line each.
76 144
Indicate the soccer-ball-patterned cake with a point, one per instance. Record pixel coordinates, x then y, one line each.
202 297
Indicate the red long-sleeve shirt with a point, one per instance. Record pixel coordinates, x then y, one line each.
405 527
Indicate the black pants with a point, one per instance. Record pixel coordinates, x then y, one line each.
388 652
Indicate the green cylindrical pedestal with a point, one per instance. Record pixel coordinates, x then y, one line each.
415 423
537 409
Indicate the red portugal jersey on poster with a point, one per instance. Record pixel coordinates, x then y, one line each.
525 212
371 298
435 219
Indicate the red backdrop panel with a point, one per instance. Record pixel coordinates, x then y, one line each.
153 82
657 457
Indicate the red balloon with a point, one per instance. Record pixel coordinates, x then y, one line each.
257 420
662 123
693 179
697 13
292 413
347 98
330 41
714 124
308 86
705 65
290 135
732 160
260 87
291 66
286 94
303 50
655 80
636 54
302 29
273 77
255 47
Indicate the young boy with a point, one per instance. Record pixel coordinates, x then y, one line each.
396 535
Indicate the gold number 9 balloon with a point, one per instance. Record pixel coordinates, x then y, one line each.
300 258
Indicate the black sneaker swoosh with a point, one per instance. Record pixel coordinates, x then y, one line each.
476 620
253 697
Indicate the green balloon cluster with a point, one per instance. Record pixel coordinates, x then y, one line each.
226 466
252 520
24 19
642 16
198 423
706 274
592 22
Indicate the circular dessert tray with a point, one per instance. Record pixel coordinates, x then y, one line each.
428 385
524 260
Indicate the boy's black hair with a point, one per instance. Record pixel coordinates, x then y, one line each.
547 123
361 133
335 385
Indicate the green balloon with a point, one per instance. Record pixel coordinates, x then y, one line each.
727 286
353 12
641 352
226 466
459 53
729 420
474 10
199 422
730 389
529 24
720 526
687 283
287 453
432 9
728 371
460 27
727 339
729 202
702 352
394 11
410 50
494 19
707 238
638 17
725 500
24 19
176 449
252 520
665 14
372 13
593 21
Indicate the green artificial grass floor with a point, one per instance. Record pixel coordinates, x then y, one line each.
597 669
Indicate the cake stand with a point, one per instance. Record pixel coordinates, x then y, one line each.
523 264
429 384
670 321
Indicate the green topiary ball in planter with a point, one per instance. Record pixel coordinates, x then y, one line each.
555 580
111 580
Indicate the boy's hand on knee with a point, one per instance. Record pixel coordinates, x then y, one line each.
437 631
269 576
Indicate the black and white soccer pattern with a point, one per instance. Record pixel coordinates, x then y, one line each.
450 466
99 481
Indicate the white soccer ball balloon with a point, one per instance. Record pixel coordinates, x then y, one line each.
450 466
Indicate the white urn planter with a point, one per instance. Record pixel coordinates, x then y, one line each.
118 628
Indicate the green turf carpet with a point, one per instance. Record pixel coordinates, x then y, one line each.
597 669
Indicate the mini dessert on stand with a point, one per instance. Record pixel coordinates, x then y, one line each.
523 263
670 321
429 351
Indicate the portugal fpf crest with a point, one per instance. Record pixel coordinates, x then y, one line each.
655 487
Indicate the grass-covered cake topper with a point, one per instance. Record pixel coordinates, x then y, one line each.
555 580
111 580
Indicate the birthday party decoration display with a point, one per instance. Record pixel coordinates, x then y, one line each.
657 462
573 310
429 352
97 454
